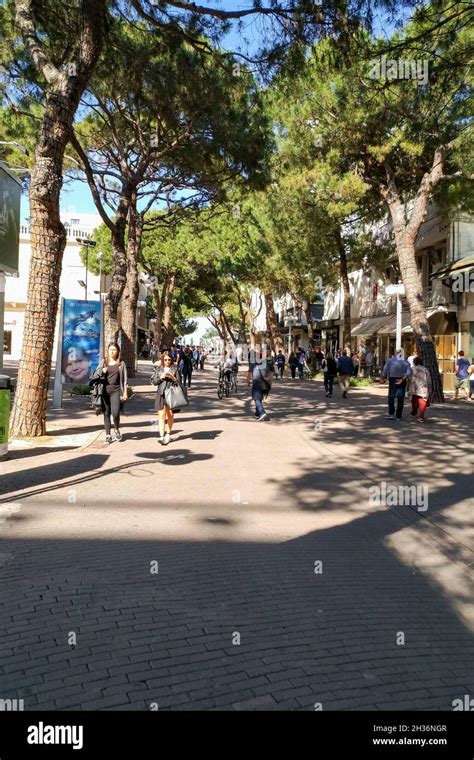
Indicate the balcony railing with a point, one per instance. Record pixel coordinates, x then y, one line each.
378 308
71 232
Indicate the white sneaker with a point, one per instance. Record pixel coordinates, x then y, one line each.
166 439
263 417
161 439
390 417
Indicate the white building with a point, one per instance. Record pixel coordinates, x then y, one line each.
72 275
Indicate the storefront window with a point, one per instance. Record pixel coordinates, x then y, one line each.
446 352
7 342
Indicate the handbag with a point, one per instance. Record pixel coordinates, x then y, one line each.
175 396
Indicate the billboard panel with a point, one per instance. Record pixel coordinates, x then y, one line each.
10 197
80 341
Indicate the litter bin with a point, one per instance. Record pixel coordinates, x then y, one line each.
5 388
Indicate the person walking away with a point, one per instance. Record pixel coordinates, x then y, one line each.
356 363
292 363
397 370
114 373
369 363
202 358
329 368
260 380
461 377
421 386
300 358
280 363
270 362
319 358
471 381
168 376
345 367
185 366
195 359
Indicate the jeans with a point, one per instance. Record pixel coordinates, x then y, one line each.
300 371
259 408
186 375
328 381
293 371
396 392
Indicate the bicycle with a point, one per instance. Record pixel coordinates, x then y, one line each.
224 385
233 381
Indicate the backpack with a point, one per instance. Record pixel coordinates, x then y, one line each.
155 376
266 381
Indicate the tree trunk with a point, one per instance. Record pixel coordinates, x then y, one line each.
227 326
119 274
309 322
276 338
168 312
48 238
160 303
419 322
346 290
130 294
405 237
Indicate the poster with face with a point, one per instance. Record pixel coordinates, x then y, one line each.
80 341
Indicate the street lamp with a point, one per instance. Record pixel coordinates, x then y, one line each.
398 290
88 244
99 256
290 321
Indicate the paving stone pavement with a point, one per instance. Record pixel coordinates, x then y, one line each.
242 567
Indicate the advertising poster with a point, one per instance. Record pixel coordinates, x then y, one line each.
80 341
10 197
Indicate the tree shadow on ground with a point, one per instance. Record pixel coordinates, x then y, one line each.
332 636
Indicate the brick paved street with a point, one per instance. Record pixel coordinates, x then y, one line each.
236 514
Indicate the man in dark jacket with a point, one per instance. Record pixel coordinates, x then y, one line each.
345 367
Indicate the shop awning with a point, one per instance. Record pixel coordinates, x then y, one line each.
391 326
448 270
370 326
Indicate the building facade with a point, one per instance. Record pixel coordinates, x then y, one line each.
76 283
444 254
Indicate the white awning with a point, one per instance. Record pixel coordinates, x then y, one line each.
370 326
391 326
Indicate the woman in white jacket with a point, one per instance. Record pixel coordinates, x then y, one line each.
420 385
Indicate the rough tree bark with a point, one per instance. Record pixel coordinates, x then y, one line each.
159 306
119 273
346 290
276 338
168 312
405 232
131 291
48 240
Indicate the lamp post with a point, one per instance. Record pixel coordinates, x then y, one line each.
398 290
88 244
290 321
99 259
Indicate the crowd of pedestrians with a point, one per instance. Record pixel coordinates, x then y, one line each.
175 365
